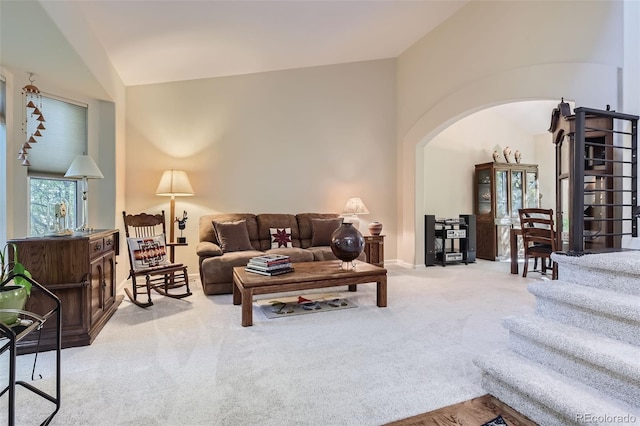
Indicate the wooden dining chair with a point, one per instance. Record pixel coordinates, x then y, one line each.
148 259
538 236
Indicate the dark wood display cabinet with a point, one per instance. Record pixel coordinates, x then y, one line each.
81 271
500 190
596 178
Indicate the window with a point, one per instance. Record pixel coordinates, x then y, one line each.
45 197
64 138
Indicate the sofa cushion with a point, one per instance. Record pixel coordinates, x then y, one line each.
322 253
296 254
280 237
266 221
325 253
233 236
304 225
321 230
219 269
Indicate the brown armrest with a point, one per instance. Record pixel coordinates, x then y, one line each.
208 249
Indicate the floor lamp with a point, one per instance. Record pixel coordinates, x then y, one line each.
174 183
84 167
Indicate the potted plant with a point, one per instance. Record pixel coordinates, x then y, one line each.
14 289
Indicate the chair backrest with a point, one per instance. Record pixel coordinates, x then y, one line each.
537 227
143 224
146 239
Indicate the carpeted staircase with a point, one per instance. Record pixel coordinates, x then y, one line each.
577 360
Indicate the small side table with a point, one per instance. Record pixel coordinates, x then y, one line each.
374 249
172 250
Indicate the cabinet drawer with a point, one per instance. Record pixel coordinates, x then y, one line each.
109 243
97 247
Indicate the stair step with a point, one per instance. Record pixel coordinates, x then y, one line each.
546 396
612 314
607 364
617 271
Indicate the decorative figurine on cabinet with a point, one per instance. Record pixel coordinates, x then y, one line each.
518 156
182 223
59 215
507 154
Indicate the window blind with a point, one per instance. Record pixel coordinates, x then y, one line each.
65 136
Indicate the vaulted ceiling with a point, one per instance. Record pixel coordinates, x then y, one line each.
154 41
177 40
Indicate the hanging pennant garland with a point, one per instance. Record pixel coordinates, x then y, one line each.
33 119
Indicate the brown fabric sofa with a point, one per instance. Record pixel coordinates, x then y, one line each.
216 264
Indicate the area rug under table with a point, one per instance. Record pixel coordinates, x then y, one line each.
308 304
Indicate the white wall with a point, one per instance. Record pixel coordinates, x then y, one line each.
545 155
451 156
292 141
492 53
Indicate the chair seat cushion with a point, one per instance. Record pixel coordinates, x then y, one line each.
162 269
544 249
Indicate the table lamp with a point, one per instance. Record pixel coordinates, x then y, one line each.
352 209
174 183
84 167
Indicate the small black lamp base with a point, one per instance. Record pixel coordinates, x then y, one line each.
182 240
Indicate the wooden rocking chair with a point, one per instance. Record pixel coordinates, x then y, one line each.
148 258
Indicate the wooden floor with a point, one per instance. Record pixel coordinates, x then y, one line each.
474 412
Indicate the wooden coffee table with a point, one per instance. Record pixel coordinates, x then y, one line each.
306 275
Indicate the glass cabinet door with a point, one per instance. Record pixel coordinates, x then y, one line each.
565 214
516 192
533 200
502 194
484 192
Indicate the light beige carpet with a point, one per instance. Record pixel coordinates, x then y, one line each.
189 362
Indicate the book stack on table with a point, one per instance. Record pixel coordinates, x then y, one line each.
270 264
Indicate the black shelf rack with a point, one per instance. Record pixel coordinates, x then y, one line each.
29 322
449 240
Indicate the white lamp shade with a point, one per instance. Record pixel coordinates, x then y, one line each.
355 206
84 166
174 183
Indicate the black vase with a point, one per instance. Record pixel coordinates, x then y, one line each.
347 242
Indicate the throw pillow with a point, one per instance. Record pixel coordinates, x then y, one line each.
321 230
280 237
148 252
233 236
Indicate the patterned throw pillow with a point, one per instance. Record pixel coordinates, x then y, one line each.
280 237
147 252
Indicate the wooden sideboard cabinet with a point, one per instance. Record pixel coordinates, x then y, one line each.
81 271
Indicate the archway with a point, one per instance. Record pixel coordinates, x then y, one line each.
588 84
